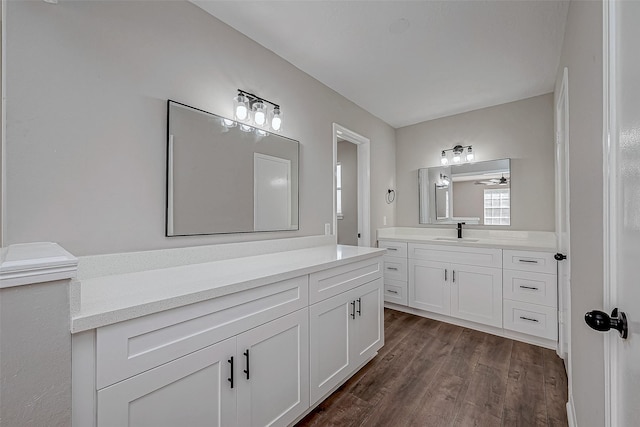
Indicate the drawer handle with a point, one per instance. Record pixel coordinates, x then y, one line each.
528 261
230 379
246 371
391 291
353 309
454 276
360 307
392 268
445 274
529 287
392 249
529 319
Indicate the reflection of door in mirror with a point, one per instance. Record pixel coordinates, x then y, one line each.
442 201
272 192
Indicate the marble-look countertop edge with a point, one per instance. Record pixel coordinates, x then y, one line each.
103 316
496 244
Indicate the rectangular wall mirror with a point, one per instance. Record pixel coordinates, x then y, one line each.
474 193
227 177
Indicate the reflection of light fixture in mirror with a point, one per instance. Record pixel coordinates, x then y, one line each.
260 116
457 154
245 128
444 179
228 123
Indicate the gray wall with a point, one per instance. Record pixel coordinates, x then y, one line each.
87 84
35 328
521 130
582 55
348 225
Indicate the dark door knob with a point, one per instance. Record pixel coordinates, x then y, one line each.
601 321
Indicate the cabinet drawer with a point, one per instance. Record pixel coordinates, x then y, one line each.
531 319
327 283
129 348
525 286
541 262
395 291
395 268
394 249
481 257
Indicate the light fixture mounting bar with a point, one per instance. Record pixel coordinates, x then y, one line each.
253 98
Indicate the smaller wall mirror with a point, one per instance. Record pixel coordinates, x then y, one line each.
228 177
474 193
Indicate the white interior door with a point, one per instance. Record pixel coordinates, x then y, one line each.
271 193
562 218
623 228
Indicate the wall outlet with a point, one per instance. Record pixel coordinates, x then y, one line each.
327 229
384 220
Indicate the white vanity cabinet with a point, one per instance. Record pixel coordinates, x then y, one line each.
191 390
263 372
250 357
395 272
460 282
530 293
345 331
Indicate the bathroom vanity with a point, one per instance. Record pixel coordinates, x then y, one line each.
252 340
501 282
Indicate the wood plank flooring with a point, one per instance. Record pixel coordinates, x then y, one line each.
431 373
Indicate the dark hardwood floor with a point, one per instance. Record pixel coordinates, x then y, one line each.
431 373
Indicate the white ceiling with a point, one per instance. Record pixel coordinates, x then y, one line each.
410 61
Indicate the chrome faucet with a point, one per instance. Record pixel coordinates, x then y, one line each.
460 230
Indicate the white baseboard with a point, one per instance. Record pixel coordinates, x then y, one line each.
571 413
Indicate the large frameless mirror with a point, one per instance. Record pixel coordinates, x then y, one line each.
474 193
227 177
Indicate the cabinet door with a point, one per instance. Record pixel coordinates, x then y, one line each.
369 328
273 371
190 391
429 286
330 325
476 294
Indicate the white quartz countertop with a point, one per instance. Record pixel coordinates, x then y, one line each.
119 297
541 241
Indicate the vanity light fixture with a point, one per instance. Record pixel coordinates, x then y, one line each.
457 154
252 108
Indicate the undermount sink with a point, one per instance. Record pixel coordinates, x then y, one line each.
455 239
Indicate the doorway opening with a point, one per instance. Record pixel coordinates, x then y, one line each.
354 202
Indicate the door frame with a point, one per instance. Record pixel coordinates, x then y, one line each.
610 198
3 122
364 192
562 197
